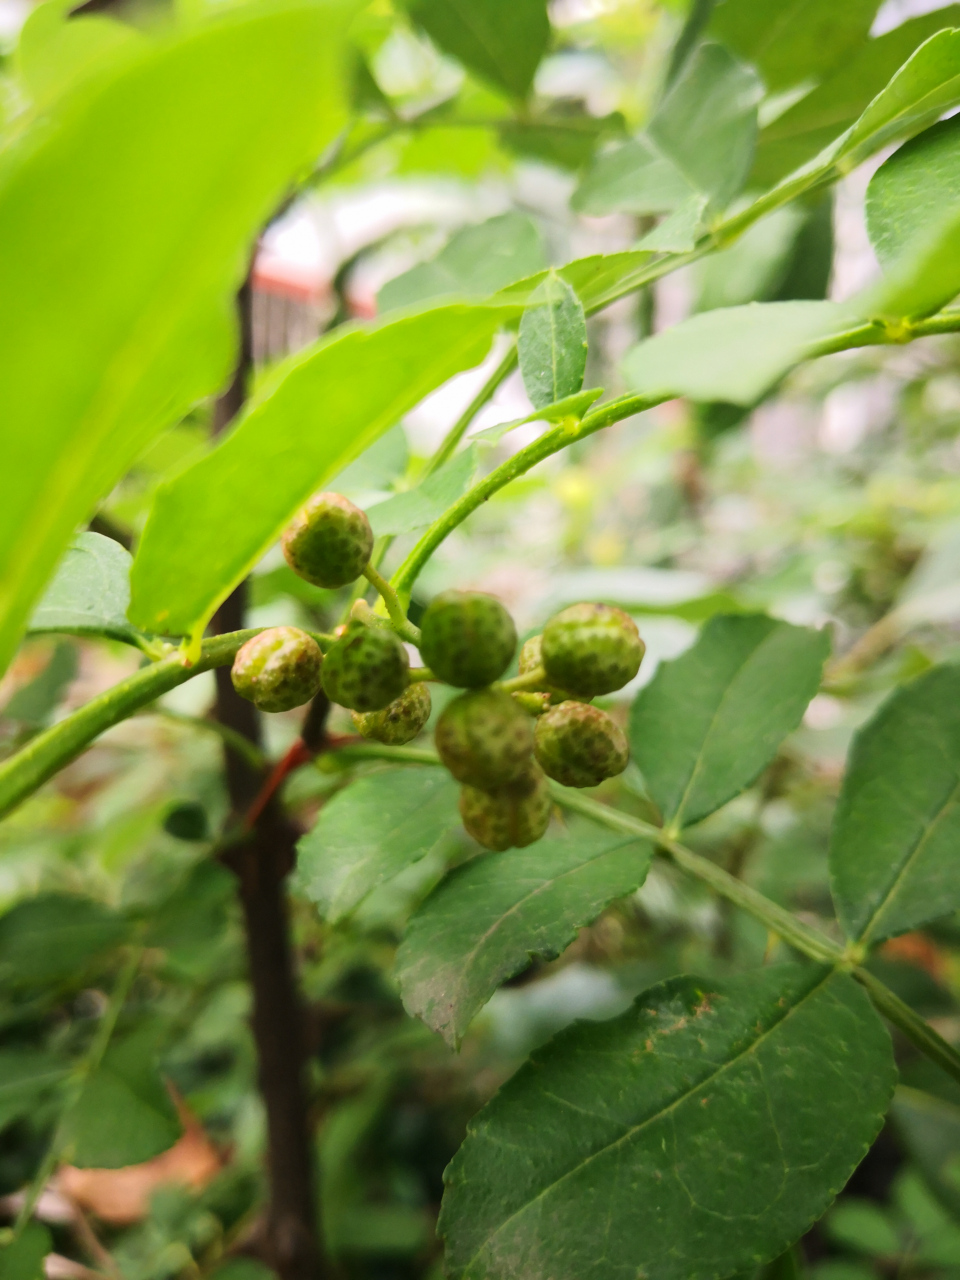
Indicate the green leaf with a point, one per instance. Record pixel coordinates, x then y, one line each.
893 862
501 40
565 138
929 1128
790 43
553 343
477 260
33 704
862 1225
710 721
319 410
631 178
694 1136
124 1114
483 923
169 160
22 1259
420 506
753 267
575 406
371 831
26 1076
54 936
910 192
90 591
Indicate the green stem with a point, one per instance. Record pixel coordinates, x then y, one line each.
376 751
401 623
456 432
534 679
916 1029
552 441
48 752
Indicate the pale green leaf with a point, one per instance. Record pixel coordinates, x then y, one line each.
53 937
164 164
752 268
710 721
501 40
90 591
319 410
695 1136
631 178
420 506
553 343
482 924
911 191
372 830
26 1077
893 855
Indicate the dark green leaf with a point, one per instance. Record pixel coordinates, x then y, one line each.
910 193
26 1076
420 506
109 333
22 1259
33 704
318 411
552 343
477 260
694 1136
196 911
124 1114
893 856
54 936
187 821
711 720
501 40
372 830
90 591
482 924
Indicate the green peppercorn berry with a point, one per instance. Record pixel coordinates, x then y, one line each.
510 817
400 721
485 739
531 655
278 669
591 649
366 668
328 541
580 745
467 638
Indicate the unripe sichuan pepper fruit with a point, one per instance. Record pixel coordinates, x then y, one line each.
467 638
590 649
278 669
366 668
400 721
485 739
510 817
579 746
329 541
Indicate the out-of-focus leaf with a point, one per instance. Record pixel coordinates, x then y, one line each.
26 1076
930 1130
33 704
482 924
862 1225
553 343
567 141
90 591
501 40
318 411
126 210
790 43
477 260
575 406
696 1135
372 830
54 936
419 507
22 1259
195 912
752 268
124 1114
631 178
912 190
54 51
377 467
712 719
893 861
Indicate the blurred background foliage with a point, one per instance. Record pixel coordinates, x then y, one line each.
836 501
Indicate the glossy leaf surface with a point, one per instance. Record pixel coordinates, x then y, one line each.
912 190
712 719
484 922
893 855
501 40
552 345
90 591
694 1136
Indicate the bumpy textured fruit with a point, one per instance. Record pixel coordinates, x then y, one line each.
591 649
580 745
531 655
400 721
510 817
467 638
329 541
278 669
365 669
485 739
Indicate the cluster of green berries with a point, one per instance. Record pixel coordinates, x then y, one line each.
500 742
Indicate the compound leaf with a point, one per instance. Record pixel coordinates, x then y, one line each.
553 343
712 719
697 1135
501 40
482 924
90 591
893 862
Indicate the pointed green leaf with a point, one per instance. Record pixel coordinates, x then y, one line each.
552 343
26 1076
420 506
90 591
710 721
913 189
319 410
371 831
168 160
893 855
694 1136
482 924
501 40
